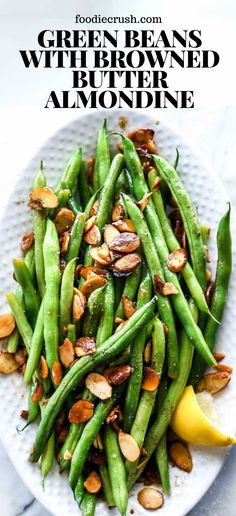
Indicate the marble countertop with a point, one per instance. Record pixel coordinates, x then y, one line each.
213 131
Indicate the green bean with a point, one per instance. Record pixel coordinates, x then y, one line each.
179 301
66 296
176 162
129 182
192 228
116 469
109 349
119 287
124 358
173 394
71 333
102 163
29 260
147 401
219 297
31 298
63 198
33 408
107 192
161 457
173 244
21 320
130 290
88 504
94 309
39 233
205 232
74 205
47 458
71 171
106 486
51 299
136 356
90 431
13 341
84 190
105 327
35 347
79 491
75 237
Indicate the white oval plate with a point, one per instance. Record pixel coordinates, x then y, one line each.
208 195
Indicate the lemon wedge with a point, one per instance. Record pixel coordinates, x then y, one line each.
195 420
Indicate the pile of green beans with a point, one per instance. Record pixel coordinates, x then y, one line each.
76 317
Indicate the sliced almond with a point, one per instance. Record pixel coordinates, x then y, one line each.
177 260
147 354
78 307
63 435
150 498
128 447
64 242
21 356
104 252
114 415
98 385
121 325
90 223
97 442
156 183
206 253
37 393
151 379
43 368
81 411
67 455
181 456
95 253
128 306
64 220
126 264
213 382
118 375
8 363
209 291
85 346
117 212
144 201
84 271
66 352
42 198
218 356
57 373
224 368
125 225
24 414
27 242
165 289
94 208
119 320
90 169
125 243
92 284
92 236
110 232
141 136
7 325
93 483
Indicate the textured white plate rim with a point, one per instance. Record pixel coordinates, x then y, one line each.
207 166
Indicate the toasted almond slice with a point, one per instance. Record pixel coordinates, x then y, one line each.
64 220
63 435
206 253
114 415
7 325
8 363
151 147
84 271
165 289
128 447
85 346
218 356
90 223
94 208
125 225
92 284
151 379
129 307
37 393
121 325
177 260
79 303
66 352
126 264
81 411
91 275
181 456
224 368
166 329
110 232
94 252
209 291
42 198
156 183
144 201
21 356
67 455
125 243
119 320
118 375
147 355
141 136
97 443
98 385
64 242
57 373
118 212
93 236
213 382
90 169
27 242
104 252
150 498
93 483
43 368
24 414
